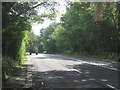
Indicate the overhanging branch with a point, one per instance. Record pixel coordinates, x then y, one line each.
15 18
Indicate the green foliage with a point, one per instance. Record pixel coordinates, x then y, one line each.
86 29
34 41
16 27
50 16
14 35
47 42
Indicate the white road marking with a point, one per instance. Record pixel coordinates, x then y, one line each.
97 64
112 87
50 64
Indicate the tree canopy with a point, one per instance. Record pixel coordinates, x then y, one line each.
86 28
17 18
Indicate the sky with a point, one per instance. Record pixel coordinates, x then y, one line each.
61 10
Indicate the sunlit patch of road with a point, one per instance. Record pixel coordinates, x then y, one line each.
101 63
43 64
59 69
65 61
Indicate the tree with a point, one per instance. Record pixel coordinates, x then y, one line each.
48 43
16 23
87 29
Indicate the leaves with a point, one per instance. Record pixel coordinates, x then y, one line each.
80 32
16 24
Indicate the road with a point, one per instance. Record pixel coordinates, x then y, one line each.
62 71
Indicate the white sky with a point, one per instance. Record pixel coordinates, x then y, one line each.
62 9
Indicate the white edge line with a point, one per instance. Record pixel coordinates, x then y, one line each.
99 66
111 86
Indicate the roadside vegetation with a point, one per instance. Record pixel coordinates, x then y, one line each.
88 29
17 18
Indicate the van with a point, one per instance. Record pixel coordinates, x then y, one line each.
33 50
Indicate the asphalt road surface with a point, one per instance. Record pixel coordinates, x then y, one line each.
62 71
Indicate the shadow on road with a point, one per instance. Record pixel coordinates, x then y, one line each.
73 72
100 74
20 78
64 79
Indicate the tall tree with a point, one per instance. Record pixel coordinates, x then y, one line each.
48 43
16 23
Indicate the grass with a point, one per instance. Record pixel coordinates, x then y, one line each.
108 56
114 57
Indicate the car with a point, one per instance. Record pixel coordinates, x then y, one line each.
33 50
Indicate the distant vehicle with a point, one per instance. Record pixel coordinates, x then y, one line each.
33 50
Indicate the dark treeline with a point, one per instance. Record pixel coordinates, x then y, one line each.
85 29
